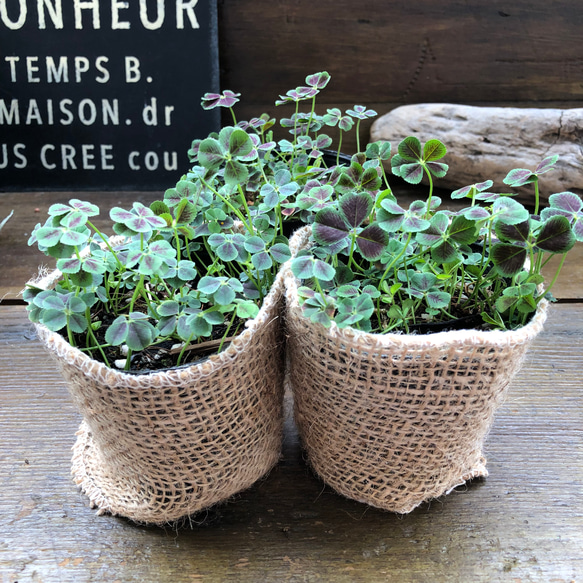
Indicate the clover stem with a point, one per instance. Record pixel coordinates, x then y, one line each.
352 246
233 116
385 175
320 290
70 333
128 360
295 135
98 232
280 220
177 238
244 199
92 336
395 260
227 202
339 148
390 266
428 212
536 196
255 283
358 135
461 285
311 114
186 345
554 280
226 334
137 293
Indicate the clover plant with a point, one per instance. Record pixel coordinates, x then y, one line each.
379 267
191 267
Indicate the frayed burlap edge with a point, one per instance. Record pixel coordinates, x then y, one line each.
395 420
159 446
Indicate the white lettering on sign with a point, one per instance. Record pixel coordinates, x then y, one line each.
69 157
160 15
55 12
151 160
17 153
87 14
116 24
132 68
87 111
65 69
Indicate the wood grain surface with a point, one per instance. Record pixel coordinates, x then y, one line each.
524 523
384 54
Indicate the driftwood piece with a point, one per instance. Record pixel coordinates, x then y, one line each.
487 142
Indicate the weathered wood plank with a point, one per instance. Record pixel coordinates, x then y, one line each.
404 51
523 523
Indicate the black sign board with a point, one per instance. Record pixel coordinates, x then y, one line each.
103 94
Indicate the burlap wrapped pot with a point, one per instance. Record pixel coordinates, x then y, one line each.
156 447
394 420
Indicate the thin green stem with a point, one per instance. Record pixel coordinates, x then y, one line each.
128 360
244 199
339 148
233 116
554 280
181 355
226 334
104 239
70 333
93 338
395 260
428 212
229 204
137 293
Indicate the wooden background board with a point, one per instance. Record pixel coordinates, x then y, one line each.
384 54
524 523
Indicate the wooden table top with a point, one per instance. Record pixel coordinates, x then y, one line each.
524 523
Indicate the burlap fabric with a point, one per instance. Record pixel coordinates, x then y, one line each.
394 420
156 447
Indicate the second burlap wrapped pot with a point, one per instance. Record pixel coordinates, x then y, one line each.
159 446
395 420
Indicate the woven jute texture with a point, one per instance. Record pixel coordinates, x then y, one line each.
156 447
395 420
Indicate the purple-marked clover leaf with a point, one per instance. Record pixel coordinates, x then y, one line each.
521 176
318 80
307 267
361 112
569 205
391 217
413 159
225 99
140 219
509 211
508 259
471 190
316 198
555 235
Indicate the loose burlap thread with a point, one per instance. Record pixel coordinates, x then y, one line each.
159 446
395 420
